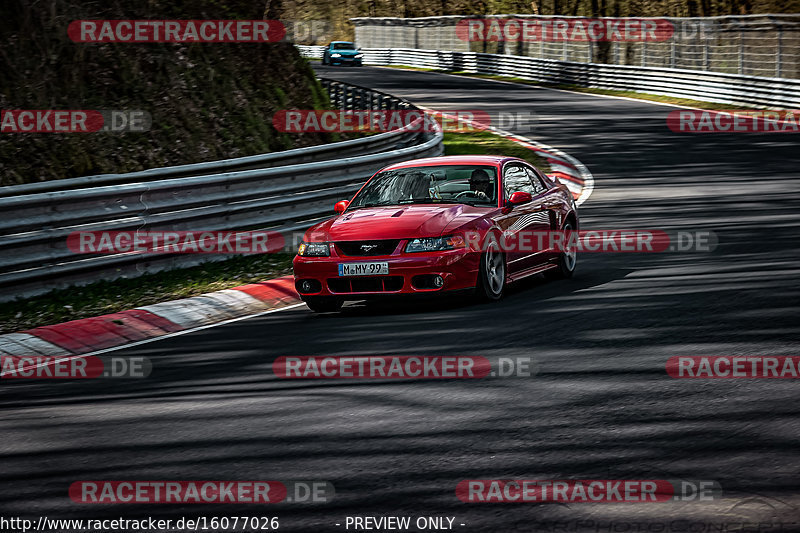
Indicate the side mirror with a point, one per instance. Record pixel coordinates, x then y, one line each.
519 197
342 205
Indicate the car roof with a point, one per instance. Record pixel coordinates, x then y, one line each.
494 160
342 42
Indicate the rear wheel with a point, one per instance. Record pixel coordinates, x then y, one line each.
492 272
323 304
566 261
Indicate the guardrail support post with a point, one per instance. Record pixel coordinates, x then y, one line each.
779 53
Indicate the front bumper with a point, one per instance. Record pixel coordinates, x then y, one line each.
408 274
346 61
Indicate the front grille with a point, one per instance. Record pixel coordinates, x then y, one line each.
366 284
367 248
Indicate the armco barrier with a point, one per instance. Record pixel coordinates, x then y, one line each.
734 89
34 257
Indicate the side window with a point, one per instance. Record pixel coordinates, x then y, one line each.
516 179
538 185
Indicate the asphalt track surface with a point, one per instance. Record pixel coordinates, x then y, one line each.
601 406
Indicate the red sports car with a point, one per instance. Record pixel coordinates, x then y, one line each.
412 227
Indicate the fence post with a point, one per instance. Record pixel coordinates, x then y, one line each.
778 53
644 53
672 54
741 51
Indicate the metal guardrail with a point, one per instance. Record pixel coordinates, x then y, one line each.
34 257
734 89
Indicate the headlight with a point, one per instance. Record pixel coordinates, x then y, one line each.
359 56
435 244
314 249
336 55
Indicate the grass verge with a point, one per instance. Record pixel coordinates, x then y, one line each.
105 297
486 143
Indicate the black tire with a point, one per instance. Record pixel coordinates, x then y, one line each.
492 273
323 304
567 261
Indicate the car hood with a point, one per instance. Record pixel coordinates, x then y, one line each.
396 222
346 52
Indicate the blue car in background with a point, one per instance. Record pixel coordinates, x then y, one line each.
342 53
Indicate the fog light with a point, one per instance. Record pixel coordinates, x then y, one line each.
306 286
438 281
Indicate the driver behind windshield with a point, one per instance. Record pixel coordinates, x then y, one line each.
479 183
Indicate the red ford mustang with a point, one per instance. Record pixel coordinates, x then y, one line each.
410 228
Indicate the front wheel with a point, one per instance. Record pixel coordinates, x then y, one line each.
323 304
492 273
567 261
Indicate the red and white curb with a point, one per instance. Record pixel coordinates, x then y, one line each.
566 168
89 335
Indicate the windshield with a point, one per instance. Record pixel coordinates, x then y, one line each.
344 46
451 184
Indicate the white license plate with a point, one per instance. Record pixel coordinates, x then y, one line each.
363 269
